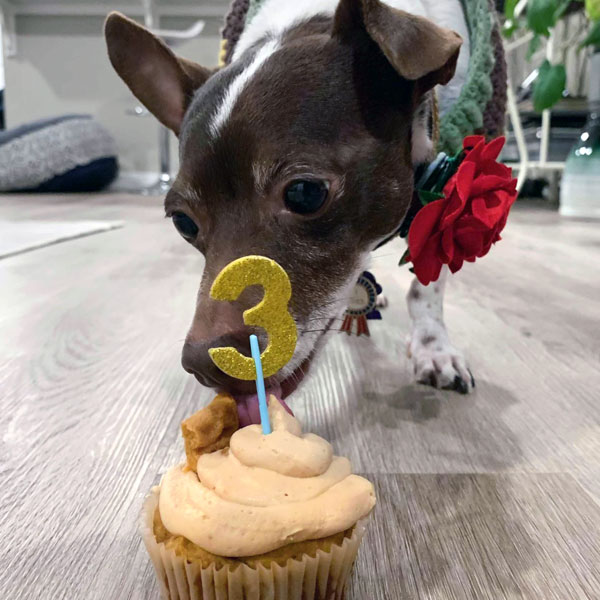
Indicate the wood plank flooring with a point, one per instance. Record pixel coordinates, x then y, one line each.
494 495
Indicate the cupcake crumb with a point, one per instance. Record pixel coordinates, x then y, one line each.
209 429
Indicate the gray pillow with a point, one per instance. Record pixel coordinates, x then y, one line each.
68 153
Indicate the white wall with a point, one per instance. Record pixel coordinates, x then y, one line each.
61 67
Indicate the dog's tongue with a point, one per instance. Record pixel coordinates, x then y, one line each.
248 410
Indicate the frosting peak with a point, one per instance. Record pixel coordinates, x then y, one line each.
264 491
286 450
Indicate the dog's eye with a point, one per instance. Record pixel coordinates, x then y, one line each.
186 227
305 196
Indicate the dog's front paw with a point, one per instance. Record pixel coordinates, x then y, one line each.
436 361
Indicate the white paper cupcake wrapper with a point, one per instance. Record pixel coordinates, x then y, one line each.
322 577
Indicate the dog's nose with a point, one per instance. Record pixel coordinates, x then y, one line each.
196 360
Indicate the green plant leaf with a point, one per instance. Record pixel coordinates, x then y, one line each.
426 196
541 16
404 260
592 8
561 9
509 27
509 8
593 37
534 46
549 86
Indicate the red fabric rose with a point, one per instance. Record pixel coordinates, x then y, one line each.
468 220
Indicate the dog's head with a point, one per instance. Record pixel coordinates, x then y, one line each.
302 150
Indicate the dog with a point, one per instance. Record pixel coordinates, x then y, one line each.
302 149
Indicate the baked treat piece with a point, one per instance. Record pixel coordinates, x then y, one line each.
210 428
255 516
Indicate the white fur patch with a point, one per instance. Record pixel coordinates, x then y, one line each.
435 360
422 146
277 16
239 83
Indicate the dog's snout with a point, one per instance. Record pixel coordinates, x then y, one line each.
196 360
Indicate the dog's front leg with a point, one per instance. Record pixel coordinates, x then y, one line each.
435 360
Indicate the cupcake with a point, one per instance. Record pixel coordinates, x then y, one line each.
256 516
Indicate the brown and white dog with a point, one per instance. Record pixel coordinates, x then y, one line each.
302 149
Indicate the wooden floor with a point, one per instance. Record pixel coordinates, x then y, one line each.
490 496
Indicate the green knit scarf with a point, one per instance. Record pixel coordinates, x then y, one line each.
466 115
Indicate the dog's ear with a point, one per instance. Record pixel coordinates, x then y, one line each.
161 81
418 49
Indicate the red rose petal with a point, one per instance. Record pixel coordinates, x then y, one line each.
486 183
423 225
493 149
447 246
469 242
482 213
427 266
456 264
470 223
454 206
463 180
471 141
489 209
467 222
496 168
474 157
485 250
501 225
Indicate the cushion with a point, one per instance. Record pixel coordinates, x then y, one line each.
72 153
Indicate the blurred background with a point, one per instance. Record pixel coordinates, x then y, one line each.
55 64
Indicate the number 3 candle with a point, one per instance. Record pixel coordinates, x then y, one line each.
271 313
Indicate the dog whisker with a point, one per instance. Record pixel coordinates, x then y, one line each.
324 330
296 376
324 319
336 300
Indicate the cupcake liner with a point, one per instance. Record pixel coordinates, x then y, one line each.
322 577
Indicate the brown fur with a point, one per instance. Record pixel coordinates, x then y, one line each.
337 103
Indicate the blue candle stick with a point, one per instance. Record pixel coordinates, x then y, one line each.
260 386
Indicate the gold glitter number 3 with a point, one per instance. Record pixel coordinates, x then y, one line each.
271 313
